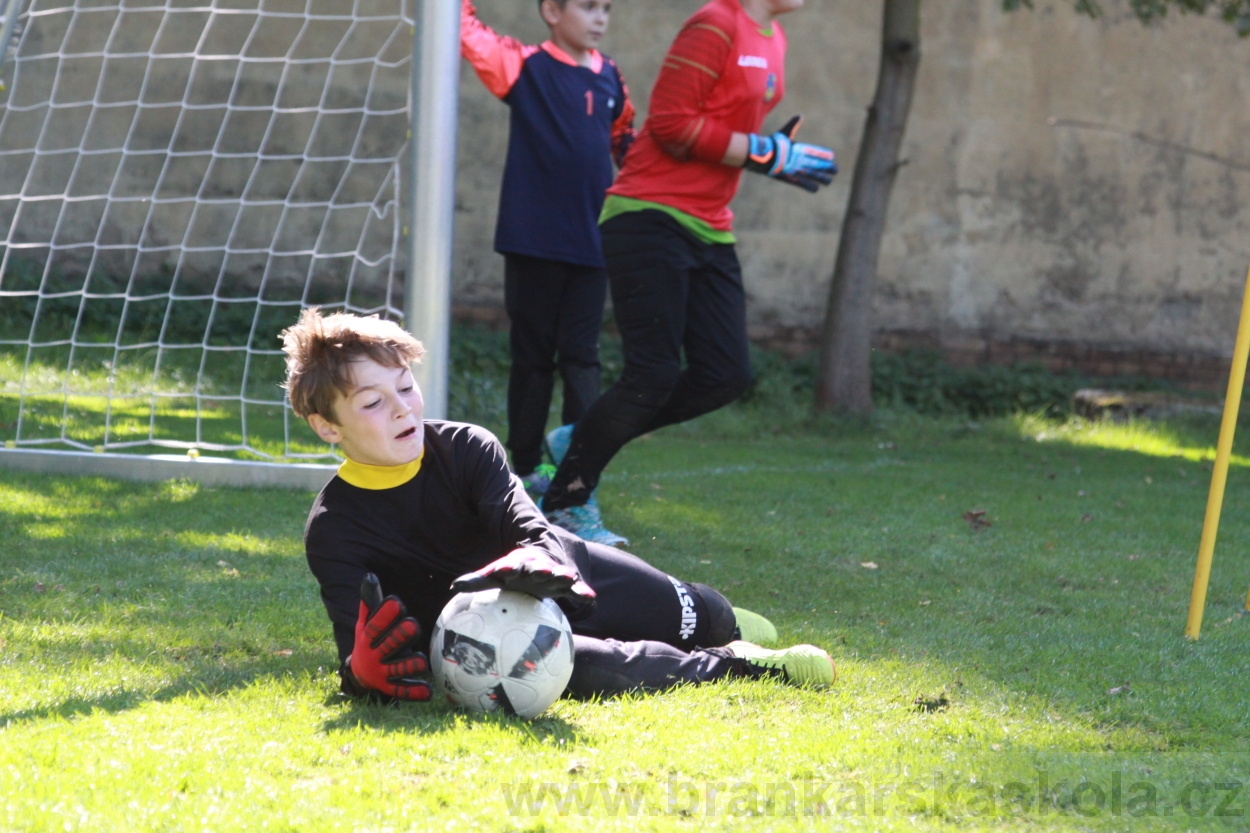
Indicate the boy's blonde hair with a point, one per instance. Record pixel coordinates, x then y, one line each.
320 351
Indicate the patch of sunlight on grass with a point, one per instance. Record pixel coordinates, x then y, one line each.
1153 439
235 542
179 491
686 515
46 532
15 500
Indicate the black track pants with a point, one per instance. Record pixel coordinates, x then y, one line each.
671 294
556 313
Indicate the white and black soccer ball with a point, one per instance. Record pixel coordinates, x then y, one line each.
498 650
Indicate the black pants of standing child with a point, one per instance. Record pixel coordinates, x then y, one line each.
670 293
556 310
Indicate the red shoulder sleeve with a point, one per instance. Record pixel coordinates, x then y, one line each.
497 59
691 70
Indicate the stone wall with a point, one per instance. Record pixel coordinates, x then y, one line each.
1071 186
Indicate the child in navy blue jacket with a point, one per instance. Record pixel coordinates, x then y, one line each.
571 117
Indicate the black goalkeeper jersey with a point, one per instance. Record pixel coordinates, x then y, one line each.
462 510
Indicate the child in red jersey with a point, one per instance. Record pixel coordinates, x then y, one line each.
668 241
426 508
571 116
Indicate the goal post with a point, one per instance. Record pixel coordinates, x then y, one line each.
432 159
177 180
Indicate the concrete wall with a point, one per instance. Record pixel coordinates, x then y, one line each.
1067 180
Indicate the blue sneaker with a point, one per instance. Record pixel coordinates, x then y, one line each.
586 523
557 441
537 481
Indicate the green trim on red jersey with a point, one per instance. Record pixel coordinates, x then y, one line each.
616 205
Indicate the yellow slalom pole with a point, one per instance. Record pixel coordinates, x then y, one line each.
1219 475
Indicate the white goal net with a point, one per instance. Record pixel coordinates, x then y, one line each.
177 179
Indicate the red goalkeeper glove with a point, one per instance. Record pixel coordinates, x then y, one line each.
383 658
779 156
531 571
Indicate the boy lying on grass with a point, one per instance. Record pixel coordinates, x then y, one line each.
428 508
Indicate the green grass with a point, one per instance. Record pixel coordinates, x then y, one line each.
165 662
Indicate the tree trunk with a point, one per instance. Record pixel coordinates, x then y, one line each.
844 382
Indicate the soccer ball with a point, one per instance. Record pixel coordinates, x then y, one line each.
498 650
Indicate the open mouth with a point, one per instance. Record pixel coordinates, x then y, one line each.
406 434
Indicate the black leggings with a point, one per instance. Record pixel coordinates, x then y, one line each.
671 294
647 630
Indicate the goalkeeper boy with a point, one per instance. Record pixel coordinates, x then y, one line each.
428 508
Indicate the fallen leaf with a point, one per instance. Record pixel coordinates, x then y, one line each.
868 565
976 519
1086 518
39 588
926 602
1120 689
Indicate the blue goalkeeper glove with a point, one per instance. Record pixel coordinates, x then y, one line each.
779 156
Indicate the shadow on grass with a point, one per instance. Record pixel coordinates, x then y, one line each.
438 717
202 679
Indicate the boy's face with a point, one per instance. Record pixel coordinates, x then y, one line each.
578 27
378 422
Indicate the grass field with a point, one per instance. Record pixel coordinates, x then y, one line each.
1005 602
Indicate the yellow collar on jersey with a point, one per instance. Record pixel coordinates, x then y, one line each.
363 476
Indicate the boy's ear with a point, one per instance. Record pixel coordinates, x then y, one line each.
324 428
550 10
